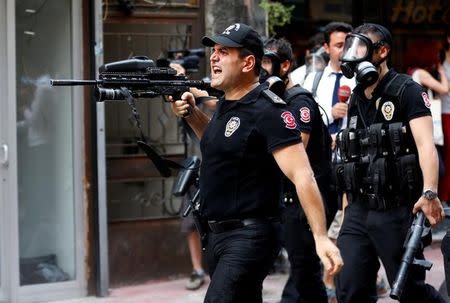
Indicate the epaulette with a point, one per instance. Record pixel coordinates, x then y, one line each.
272 97
294 92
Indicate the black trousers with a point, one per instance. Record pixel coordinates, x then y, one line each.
239 260
367 235
306 273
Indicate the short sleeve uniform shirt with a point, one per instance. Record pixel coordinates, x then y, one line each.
239 176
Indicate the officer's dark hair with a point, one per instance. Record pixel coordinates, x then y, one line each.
333 27
382 33
283 48
316 41
244 52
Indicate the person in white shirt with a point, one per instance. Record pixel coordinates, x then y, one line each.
327 87
314 51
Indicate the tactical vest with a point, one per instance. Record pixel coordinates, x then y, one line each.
380 165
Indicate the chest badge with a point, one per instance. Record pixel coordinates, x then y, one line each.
387 109
232 126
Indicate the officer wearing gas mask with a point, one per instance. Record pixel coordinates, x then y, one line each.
389 170
306 276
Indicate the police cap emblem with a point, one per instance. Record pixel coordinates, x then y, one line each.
235 26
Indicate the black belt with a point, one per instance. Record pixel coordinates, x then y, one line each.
227 225
376 202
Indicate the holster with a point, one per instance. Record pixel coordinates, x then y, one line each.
200 224
352 179
377 185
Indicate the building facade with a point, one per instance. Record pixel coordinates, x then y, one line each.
81 207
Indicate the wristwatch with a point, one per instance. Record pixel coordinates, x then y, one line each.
429 194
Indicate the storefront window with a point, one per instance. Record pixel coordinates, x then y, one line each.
45 142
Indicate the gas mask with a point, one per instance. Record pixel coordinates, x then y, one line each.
316 61
276 66
356 59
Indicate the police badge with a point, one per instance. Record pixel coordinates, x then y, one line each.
232 126
387 109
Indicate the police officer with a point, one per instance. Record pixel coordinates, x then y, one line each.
390 169
244 146
298 240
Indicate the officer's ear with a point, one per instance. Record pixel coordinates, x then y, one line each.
248 63
383 51
326 47
285 67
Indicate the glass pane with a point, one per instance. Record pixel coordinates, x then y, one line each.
3 115
44 142
135 190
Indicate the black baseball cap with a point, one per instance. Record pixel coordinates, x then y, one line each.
238 35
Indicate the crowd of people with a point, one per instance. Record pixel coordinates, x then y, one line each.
313 167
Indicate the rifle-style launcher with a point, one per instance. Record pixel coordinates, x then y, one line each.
140 76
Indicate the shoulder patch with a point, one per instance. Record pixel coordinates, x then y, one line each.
288 120
272 97
426 100
305 115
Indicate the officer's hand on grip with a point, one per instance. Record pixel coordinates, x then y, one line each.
329 255
432 209
181 107
198 92
339 110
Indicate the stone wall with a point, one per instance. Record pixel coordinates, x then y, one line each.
220 14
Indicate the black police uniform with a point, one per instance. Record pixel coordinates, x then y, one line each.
240 187
379 213
299 242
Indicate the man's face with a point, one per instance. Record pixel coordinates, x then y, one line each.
335 47
226 67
